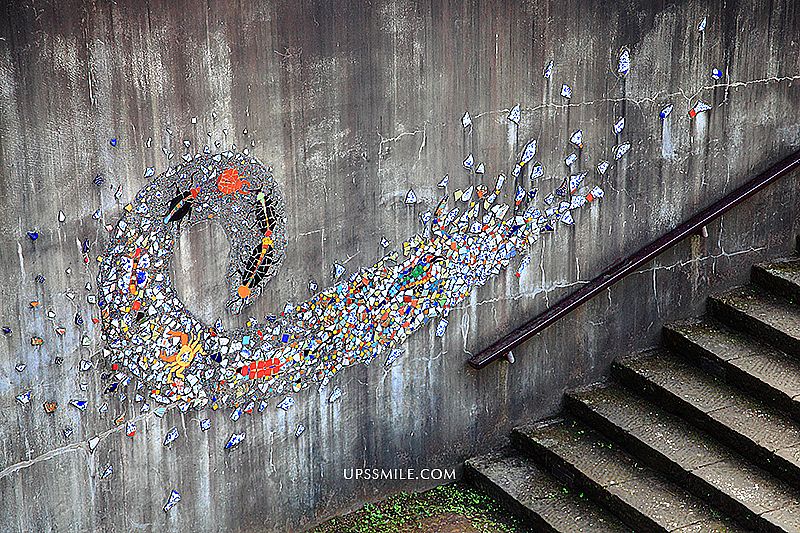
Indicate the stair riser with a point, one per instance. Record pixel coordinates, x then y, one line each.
737 319
656 460
758 455
731 374
577 481
775 284
508 502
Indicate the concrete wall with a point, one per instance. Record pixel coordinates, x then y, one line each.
353 103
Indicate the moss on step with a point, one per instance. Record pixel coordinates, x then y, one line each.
448 508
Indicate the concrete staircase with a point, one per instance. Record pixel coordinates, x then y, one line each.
701 434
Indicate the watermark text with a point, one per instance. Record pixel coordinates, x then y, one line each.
366 474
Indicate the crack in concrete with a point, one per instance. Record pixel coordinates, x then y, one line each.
74 446
424 141
385 140
541 269
623 190
538 290
660 96
350 257
465 323
312 232
655 293
564 284
699 259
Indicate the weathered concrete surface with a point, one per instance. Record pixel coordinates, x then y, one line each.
353 104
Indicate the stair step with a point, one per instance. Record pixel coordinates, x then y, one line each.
690 457
515 480
760 432
740 360
588 462
765 315
781 276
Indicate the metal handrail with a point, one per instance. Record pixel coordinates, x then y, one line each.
626 265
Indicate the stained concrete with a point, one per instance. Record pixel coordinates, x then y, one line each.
353 103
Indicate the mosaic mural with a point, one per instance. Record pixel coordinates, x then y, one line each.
156 347
155 344
158 355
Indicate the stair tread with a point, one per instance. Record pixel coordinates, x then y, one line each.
670 435
769 365
767 427
787 269
518 476
638 487
694 452
785 518
772 310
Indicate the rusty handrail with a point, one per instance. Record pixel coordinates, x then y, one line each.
626 265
